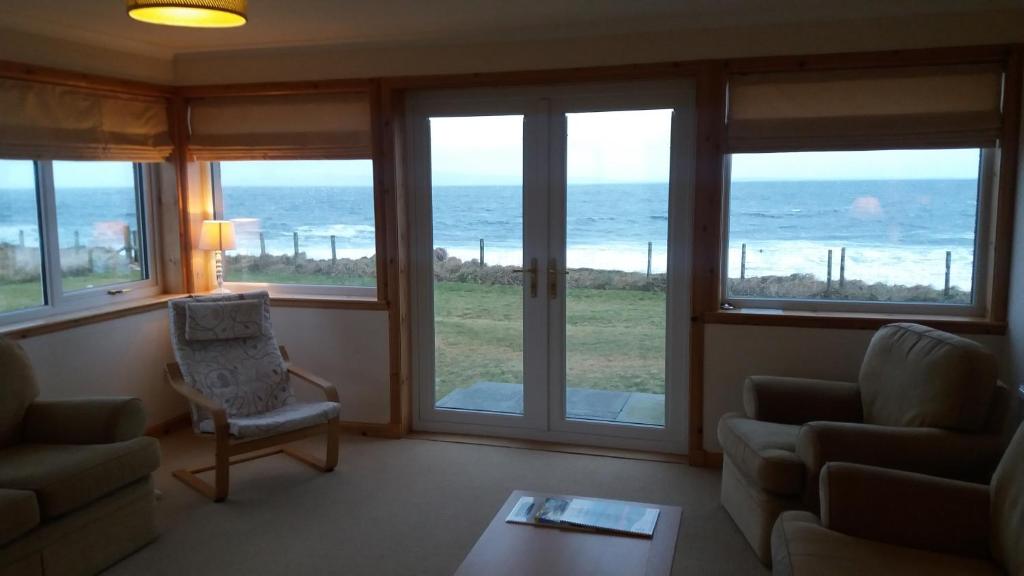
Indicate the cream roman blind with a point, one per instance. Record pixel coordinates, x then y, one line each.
312 126
948 106
50 122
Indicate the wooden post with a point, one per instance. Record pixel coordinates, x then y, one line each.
21 238
263 245
650 250
295 243
78 243
945 290
138 245
334 251
127 233
481 252
743 261
842 268
92 263
828 281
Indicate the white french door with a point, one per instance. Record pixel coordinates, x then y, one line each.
550 247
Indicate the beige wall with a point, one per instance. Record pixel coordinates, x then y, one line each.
126 356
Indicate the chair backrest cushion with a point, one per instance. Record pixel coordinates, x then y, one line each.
18 388
913 375
1008 507
229 358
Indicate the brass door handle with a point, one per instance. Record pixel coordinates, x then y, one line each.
532 271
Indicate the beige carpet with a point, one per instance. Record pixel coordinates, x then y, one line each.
404 507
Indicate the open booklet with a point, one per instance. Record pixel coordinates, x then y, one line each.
586 514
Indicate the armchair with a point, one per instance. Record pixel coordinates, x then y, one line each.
238 384
926 401
882 521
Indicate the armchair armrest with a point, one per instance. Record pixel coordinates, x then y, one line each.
330 392
934 451
177 381
800 400
83 421
906 509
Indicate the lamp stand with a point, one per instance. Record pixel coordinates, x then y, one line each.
219 267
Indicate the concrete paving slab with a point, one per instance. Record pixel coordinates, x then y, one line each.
644 408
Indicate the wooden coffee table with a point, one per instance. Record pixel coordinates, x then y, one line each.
506 548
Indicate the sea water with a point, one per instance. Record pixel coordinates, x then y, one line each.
895 231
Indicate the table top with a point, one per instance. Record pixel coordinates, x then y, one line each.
506 548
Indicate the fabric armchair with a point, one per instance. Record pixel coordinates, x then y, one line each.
925 401
83 421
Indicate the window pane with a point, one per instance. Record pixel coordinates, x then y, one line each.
21 278
876 226
99 224
300 222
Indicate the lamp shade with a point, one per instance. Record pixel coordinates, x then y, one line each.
217 235
189 13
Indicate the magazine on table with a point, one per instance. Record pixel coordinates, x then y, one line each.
585 514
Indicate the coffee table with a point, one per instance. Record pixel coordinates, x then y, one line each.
506 548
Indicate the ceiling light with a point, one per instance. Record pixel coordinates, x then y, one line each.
189 13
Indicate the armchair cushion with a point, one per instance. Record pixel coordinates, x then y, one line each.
906 509
19 513
67 477
223 320
800 400
801 546
285 419
913 375
765 452
18 389
84 421
932 451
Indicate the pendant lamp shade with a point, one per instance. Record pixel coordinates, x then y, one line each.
189 13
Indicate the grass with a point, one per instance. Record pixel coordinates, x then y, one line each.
26 294
614 338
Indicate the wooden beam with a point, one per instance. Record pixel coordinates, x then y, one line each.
994 54
277 88
33 73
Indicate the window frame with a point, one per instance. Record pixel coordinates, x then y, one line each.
359 293
988 188
55 301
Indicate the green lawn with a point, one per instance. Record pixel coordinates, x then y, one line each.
615 338
17 295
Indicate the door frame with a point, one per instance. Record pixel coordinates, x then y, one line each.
544 168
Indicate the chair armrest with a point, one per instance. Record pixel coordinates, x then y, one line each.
177 381
800 400
906 509
330 392
83 421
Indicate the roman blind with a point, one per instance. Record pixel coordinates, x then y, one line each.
313 126
49 122
933 107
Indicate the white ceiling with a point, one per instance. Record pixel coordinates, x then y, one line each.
281 23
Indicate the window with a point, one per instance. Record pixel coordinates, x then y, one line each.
302 226
865 230
72 235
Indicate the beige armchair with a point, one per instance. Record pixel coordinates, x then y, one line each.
76 493
880 521
926 401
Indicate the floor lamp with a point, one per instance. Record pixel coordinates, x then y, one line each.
218 235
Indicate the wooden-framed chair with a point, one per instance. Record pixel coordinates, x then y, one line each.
237 381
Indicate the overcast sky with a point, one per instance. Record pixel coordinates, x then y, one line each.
603 147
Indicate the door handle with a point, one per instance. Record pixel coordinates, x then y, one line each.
553 278
532 271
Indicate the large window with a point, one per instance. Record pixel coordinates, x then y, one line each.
72 234
305 226
861 230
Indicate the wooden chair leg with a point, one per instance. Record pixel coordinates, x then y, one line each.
331 462
222 474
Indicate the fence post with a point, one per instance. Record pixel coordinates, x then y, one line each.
78 243
650 252
127 233
828 281
138 245
263 245
949 256
743 261
334 251
92 263
481 252
21 238
295 243
842 268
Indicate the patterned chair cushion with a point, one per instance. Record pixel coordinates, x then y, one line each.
223 320
285 419
245 375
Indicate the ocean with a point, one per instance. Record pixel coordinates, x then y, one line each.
896 232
